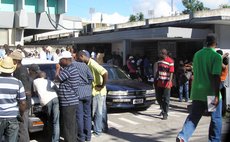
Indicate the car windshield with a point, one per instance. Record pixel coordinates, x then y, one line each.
116 73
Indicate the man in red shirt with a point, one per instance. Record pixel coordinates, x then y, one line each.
164 78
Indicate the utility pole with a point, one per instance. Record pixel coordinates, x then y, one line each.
171 7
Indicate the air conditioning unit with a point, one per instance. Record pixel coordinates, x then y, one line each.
21 19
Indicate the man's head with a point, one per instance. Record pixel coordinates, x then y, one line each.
65 58
84 56
16 56
163 53
34 69
211 41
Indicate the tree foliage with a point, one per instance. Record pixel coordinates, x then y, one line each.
224 6
193 6
137 17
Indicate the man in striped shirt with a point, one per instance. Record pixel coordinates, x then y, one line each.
12 101
164 78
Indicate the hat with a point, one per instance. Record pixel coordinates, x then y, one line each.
35 68
7 65
65 54
16 55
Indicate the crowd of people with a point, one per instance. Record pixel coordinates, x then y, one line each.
73 107
80 100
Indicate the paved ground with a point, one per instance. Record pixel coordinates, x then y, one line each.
147 126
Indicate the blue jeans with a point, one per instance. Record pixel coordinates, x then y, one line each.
184 88
198 108
9 128
83 114
23 132
53 113
104 116
97 114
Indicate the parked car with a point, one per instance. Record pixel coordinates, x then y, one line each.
123 92
35 115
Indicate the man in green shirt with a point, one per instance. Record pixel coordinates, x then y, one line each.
207 69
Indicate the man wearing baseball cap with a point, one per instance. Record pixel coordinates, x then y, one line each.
21 73
12 101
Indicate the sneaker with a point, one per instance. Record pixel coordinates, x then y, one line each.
179 139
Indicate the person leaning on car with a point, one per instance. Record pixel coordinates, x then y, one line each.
21 73
12 101
68 98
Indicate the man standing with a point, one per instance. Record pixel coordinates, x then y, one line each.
21 73
68 97
163 79
100 75
45 89
207 65
12 101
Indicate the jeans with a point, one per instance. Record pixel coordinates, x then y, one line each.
97 114
53 113
23 133
83 114
198 108
163 96
184 88
69 123
9 128
104 115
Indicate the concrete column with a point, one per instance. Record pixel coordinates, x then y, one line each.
126 46
18 36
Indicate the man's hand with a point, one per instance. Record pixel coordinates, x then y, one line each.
215 101
99 87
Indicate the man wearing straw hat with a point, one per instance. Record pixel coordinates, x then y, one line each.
12 101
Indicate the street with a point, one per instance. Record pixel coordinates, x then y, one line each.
147 126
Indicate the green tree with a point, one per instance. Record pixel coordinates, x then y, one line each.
137 17
132 18
224 6
193 6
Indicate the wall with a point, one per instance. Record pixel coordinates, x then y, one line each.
223 34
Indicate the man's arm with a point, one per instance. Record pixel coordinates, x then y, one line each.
105 78
216 85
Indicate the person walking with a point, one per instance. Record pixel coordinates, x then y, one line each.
100 76
68 97
207 67
164 76
46 90
22 74
12 101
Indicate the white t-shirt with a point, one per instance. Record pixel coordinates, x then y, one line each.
42 55
45 90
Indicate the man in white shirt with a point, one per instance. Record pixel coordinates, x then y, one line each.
45 90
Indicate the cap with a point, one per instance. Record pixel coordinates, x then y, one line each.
85 52
35 68
16 55
65 54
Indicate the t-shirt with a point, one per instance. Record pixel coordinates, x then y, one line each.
224 73
97 71
11 91
45 89
165 68
206 62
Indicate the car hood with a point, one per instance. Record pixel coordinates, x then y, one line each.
124 85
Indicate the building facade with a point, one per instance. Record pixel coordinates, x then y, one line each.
20 18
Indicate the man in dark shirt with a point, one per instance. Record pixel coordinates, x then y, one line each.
21 74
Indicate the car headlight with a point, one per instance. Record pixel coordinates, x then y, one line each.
118 93
152 91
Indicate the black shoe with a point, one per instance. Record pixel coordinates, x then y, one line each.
165 117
